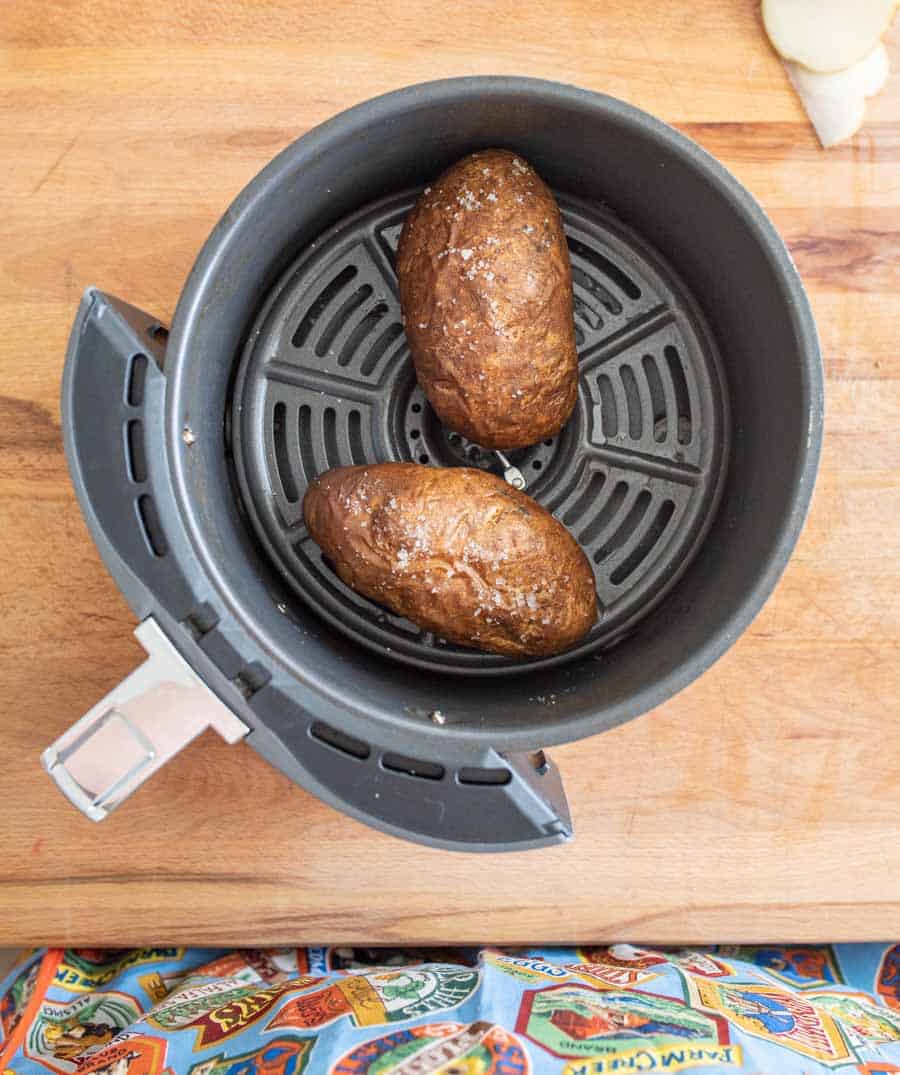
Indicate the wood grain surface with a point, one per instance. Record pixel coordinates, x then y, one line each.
763 803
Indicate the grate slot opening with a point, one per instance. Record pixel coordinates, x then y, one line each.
584 310
657 398
587 498
609 413
682 397
304 438
606 268
626 528
321 304
633 402
647 543
359 298
354 435
329 434
376 352
366 326
597 292
604 516
282 453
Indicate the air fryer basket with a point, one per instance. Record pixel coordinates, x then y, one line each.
685 471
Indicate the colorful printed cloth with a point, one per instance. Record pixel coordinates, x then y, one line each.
340 1011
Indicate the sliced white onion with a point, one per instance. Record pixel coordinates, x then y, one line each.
836 103
826 35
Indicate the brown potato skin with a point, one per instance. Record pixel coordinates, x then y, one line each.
457 551
486 291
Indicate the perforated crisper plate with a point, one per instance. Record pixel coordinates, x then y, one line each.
326 380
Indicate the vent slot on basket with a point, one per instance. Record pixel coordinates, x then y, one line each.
477 777
137 457
340 741
424 770
137 377
150 524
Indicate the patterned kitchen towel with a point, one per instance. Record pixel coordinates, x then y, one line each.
765 1009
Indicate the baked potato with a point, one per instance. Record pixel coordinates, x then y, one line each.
457 551
486 291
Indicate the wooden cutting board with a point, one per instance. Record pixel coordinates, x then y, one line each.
763 803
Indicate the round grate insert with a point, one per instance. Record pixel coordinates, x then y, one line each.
326 380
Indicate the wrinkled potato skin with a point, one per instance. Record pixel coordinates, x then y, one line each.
457 551
486 291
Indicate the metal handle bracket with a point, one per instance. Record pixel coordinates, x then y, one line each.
142 723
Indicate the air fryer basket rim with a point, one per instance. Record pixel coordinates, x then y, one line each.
263 623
